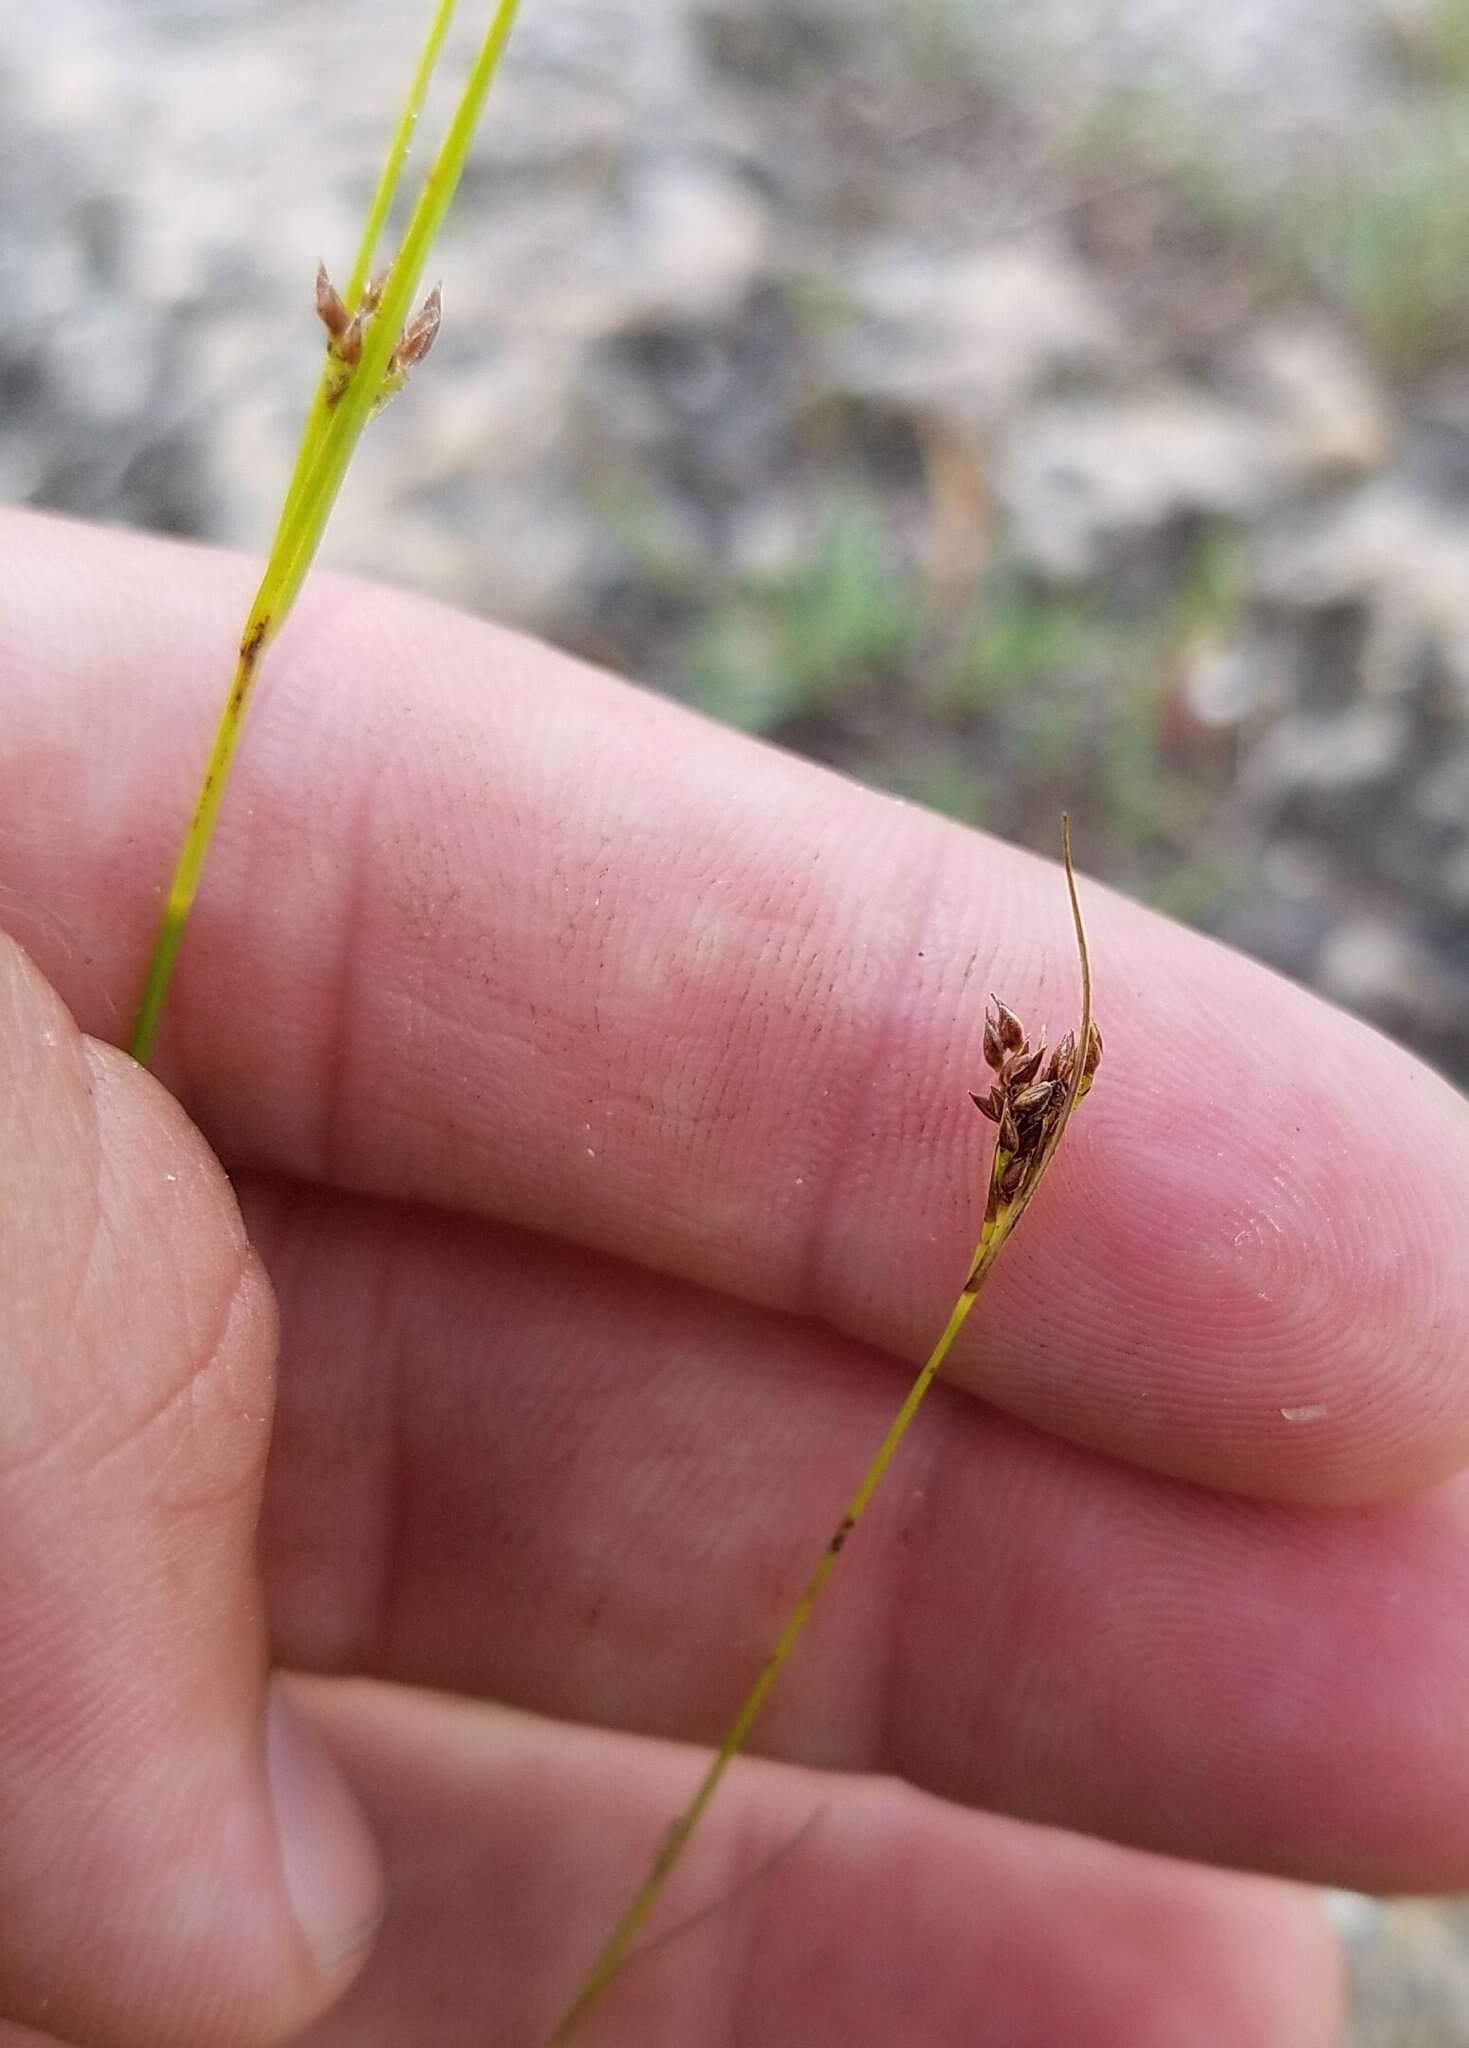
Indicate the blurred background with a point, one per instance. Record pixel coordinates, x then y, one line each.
1016 403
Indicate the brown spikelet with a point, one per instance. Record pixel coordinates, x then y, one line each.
344 329
1028 1066
1024 1100
994 1052
1012 1032
330 310
418 337
1027 1109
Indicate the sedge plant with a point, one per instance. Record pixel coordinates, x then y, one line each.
373 341
1030 1100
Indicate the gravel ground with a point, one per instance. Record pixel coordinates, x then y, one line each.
1014 405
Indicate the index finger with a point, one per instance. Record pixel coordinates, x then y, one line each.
488 929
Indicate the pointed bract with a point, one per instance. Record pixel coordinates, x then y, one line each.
1012 1032
418 336
994 1052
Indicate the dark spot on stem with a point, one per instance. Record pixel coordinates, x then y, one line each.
844 1529
250 651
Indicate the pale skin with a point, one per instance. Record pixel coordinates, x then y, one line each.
593 1088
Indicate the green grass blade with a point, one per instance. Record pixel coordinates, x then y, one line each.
387 184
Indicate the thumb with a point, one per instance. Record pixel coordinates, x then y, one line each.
179 1860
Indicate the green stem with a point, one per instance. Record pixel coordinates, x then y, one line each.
614 1953
387 184
377 214
184 884
326 450
1001 1218
302 527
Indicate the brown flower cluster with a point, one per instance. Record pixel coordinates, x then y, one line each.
1027 1095
344 331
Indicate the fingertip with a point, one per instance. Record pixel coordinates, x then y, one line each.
1260 1210
1246 1960
329 1859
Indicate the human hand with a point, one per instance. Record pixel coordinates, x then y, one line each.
594 1087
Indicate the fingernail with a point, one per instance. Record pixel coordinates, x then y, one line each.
330 1861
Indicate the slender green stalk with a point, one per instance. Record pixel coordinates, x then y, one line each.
301 531
377 217
614 1954
333 428
1023 1152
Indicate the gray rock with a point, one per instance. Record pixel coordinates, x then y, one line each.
1409 1970
1328 754
1386 971
95 384
1080 479
1330 410
1390 548
978 334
